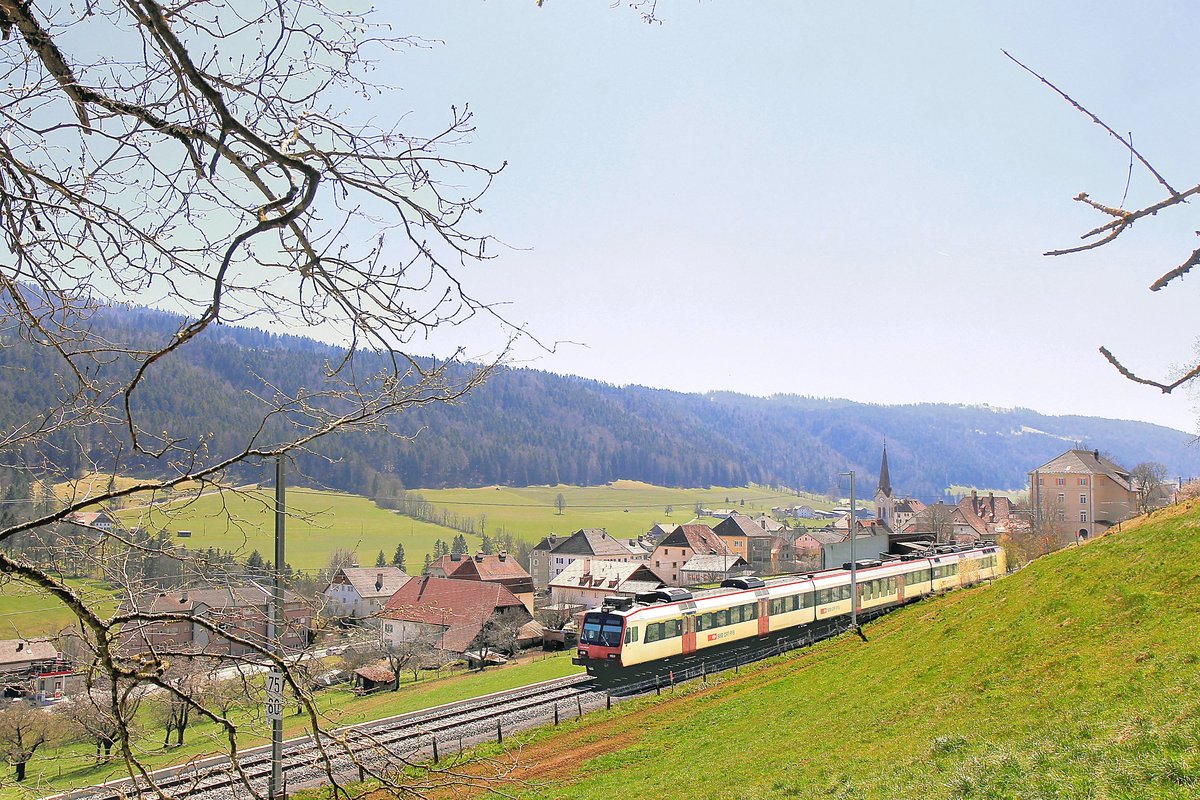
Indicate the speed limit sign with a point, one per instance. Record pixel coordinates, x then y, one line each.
274 704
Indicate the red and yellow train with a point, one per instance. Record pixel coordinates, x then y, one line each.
627 641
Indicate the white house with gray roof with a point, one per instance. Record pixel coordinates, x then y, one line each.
360 593
554 554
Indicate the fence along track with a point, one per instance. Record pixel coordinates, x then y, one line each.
369 742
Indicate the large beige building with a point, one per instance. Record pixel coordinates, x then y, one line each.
1082 490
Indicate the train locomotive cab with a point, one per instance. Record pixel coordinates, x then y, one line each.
600 640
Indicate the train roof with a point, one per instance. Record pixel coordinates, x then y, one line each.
815 580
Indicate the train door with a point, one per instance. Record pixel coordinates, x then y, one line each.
764 620
689 634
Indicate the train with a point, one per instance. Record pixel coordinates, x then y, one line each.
667 634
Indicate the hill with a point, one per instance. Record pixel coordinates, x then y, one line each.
526 427
1073 678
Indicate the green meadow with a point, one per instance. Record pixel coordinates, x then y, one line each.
317 523
623 508
320 522
1075 677
27 612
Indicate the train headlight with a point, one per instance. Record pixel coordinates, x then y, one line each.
583 653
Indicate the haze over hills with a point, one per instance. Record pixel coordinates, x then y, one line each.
529 427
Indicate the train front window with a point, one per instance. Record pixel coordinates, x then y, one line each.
602 629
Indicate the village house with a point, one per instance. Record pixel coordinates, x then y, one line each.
684 542
991 516
35 670
942 523
765 552
1084 490
586 583
711 569
358 593
769 524
554 554
95 522
447 613
500 569
240 611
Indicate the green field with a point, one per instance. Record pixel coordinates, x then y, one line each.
623 508
320 522
27 612
1073 678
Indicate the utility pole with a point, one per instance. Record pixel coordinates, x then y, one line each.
276 634
853 557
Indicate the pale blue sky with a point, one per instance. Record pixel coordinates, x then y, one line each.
834 199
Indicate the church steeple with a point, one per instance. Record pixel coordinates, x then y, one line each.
885 480
885 504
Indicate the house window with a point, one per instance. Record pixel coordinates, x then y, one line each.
1083 481
1083 516
1062 516
1062 498
1083 499
1060 481
1041 481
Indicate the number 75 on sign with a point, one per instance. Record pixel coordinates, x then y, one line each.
274 704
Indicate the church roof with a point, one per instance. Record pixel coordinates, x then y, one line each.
885 480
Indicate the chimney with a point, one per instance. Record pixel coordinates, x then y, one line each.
379 581
1096 453
587 566
183 597
503 555
553 538
456 556
479 557
20 646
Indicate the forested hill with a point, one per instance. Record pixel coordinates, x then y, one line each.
529 427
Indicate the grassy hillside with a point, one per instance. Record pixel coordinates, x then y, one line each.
1074 678
318 523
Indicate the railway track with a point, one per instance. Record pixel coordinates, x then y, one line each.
358 751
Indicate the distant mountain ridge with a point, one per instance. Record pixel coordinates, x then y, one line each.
529 427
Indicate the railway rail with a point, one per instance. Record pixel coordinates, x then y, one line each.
357 751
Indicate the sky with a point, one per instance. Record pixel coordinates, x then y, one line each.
829 199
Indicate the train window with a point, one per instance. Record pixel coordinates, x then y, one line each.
844 592
674 627
631 635
653 632
720 618
805 600
703 622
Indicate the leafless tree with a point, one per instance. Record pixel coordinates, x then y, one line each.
499 635
105 712
1147 479
1119 220
205 158
24 729
412 654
